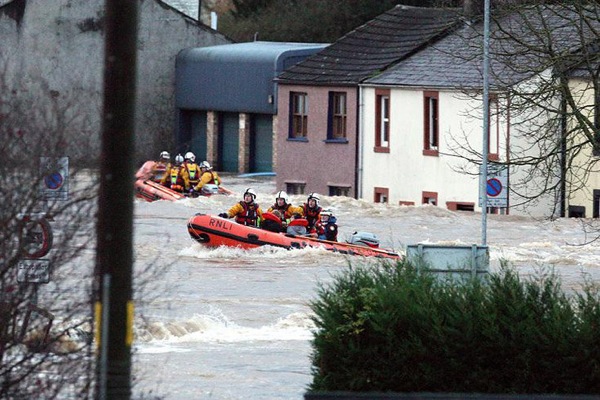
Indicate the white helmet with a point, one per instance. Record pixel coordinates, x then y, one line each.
326 213
251 192
205 164
189 156
315 197
178 159
282 195
164 155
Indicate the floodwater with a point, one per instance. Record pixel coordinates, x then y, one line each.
235 324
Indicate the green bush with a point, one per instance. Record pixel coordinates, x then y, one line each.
395 328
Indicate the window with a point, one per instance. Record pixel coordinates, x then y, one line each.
430 198
431 131
336 126
576 212
460 206
295 187
339 190
382 195
382 121
298 115
493 129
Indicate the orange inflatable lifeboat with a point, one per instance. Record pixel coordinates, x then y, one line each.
214 231
152 191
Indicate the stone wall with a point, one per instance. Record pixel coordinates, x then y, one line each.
52 54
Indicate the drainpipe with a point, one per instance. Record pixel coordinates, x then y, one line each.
359 152
468 9
563 153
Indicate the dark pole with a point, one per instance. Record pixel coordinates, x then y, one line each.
115 204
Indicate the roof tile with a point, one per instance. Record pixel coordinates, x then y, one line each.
373 46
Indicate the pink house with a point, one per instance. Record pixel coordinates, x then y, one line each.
317 132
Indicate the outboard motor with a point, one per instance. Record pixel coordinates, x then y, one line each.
209 188
364 239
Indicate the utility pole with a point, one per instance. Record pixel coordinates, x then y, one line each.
114 253
486 119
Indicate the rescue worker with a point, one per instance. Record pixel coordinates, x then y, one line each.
283 205
176 177
155 170
207 176
327 228
193 171
247 211
311 211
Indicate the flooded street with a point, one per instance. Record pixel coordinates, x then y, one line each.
230 324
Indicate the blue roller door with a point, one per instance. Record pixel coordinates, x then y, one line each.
229 140
192 133
261 143
198 142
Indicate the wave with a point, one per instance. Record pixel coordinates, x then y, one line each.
307 256
219 329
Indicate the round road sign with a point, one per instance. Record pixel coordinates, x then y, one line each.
54 181
494 187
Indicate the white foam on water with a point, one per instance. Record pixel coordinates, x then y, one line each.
217 328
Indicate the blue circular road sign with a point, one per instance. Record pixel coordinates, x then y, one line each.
494 187
54 181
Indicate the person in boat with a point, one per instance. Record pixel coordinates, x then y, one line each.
312 212
272 221
176 177
155 170
207 176
193 171
297 225
283 205
327 228
246 212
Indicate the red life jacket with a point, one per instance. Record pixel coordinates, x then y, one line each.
297 226
284 209
213 180
298 222
249 216
271 216
311 215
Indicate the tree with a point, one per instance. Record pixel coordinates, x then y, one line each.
45 328
309 20
544 70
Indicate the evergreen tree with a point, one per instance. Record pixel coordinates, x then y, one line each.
313 21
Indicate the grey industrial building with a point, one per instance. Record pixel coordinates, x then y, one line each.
226 102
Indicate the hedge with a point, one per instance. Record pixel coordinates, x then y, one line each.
400 329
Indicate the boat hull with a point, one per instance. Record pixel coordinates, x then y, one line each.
214 231
152 191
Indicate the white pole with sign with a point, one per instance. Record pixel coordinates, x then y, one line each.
486 108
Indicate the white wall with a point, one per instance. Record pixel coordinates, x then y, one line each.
453 174
584 176
405 170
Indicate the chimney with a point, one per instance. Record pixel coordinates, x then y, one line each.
199 10
472 8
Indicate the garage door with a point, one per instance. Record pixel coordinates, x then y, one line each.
261 143
192 133
229 140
